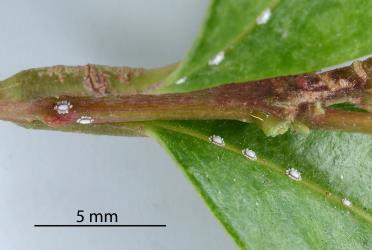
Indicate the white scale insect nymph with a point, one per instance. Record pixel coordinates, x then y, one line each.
294 174
85 120
250 154
63 107
216 139
346 202
217 59
264 17
182 80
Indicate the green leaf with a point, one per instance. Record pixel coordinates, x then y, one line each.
258 204
300 36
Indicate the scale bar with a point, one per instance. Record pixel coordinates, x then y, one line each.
86 225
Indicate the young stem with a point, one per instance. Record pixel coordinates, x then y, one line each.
295 98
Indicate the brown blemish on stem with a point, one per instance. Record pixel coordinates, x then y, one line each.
95 81
358 69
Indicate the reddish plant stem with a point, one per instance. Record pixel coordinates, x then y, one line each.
287 98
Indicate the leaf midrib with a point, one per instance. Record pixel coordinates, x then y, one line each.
312 186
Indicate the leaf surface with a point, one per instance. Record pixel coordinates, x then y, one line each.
300 36
259 205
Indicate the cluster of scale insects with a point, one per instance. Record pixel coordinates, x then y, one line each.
292 173
64 107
